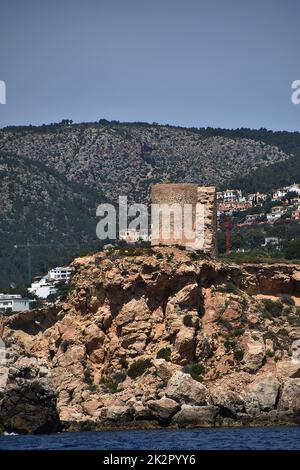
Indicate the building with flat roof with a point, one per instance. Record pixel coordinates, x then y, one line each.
13 303
44 286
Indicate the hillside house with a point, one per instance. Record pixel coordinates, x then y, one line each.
13 303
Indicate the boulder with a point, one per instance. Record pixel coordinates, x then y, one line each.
255 353
263 393
163 409
141 412
28 402
164 369
229 402
202 416
185 301
183 389
91 407
134 310
288 368
290 396
94 338
117 414
185 343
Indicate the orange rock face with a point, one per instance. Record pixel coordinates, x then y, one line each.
151 336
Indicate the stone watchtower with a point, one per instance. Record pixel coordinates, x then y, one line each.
200 201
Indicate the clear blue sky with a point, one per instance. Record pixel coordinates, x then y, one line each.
221 63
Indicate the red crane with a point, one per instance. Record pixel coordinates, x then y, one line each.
227 226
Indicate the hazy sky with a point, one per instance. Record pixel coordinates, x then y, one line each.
224 63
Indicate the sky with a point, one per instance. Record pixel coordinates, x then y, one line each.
218 63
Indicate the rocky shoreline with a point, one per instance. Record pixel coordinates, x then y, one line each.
157 338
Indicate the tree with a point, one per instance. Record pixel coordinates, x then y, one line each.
293 249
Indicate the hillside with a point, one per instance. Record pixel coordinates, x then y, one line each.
122 158
53 176
266 179
40 205
154 338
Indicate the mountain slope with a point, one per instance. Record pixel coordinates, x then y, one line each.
269 178
126 158
41 205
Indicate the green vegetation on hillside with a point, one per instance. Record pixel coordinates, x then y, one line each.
38 204
268 178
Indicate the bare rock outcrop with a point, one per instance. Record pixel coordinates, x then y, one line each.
183 389
151 338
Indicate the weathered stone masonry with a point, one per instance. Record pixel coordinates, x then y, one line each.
188 193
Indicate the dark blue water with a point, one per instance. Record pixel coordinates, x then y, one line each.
287 438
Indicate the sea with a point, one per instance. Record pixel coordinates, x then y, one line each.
277 438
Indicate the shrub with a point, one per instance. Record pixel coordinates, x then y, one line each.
231 288
109 384
294 321
229 344
267 315
188 320
196 372
130 251
159 255
196 255
146 244
287 300
63 289
180 247
271 308
283 332
123 362
269 353
201 308
164 353
225 323
238 354
238 331
193 256
197 377
138 368
287 310
198 369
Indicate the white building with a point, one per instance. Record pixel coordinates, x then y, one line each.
230 195
279 194
133 236
252 218
273 241
42 287
282 192
46 285
257 198
276 213
60 273
13 303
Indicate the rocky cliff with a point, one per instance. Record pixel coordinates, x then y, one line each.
157 338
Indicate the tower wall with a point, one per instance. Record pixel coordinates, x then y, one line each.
203 216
